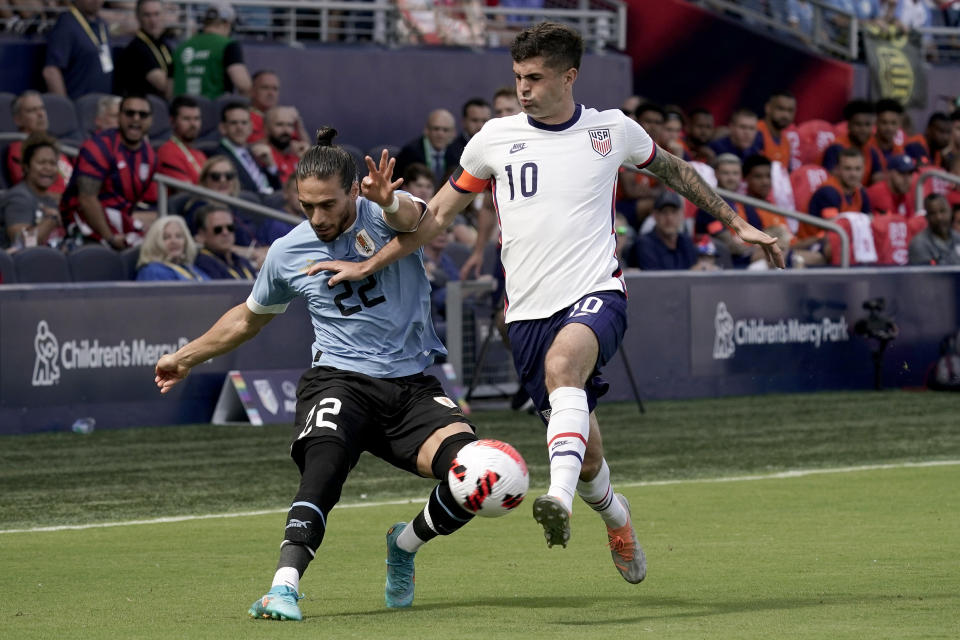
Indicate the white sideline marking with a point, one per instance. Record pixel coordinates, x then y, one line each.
798 473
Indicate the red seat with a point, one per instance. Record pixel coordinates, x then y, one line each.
805 180
815 137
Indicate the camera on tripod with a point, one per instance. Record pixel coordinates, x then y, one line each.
876 325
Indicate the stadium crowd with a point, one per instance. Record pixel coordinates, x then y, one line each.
194 112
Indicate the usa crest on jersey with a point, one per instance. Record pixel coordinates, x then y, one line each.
600 141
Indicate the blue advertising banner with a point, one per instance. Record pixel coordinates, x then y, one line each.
73 351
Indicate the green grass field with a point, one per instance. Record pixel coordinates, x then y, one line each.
831 551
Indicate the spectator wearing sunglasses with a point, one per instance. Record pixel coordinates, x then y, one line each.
217 235
112 175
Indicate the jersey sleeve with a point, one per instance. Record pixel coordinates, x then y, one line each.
825 203
271 291
474 173
641 149
59 43
417 201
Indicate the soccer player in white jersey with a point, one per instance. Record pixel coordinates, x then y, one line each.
554 171
367 390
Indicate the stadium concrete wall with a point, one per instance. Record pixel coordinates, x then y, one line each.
372 95
71 351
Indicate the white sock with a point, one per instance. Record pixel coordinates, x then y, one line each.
598 493
567 434
288 576
408 539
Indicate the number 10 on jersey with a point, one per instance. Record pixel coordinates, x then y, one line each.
526 176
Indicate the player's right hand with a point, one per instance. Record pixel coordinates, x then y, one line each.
342 270
169 371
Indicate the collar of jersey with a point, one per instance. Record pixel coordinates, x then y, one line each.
557 127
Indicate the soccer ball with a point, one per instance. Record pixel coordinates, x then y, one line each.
488 478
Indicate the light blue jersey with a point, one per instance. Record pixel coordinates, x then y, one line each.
381 326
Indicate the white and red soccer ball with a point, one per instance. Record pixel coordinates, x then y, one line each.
488 478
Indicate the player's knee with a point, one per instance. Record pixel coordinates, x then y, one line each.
447 451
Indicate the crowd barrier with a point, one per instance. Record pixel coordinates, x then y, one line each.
88 350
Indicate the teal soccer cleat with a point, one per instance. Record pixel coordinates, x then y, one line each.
280 603
398 592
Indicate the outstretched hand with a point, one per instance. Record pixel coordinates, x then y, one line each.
769 244
169 371
342 270
376 185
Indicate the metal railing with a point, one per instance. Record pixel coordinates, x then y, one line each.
945 43
832 30
165 183
931 174
800 217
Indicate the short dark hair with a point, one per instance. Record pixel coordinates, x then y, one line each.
955 115
643 107
744 112
782 93
755 161
933 197
264 72
937 116
417 170
200 215
699 111
325 160
508 91
182 102
889 104
230 106
858 106
560 46
849 152
34 142
135 95
474 102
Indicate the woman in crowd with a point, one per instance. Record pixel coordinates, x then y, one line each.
168 252
28 211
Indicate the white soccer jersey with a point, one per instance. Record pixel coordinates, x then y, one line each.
554 188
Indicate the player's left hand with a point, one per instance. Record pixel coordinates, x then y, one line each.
376 185
768 243
342 270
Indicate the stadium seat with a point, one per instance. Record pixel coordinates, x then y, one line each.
41 264
96 263
458 253
805 180
209 147
8 273
815 137
129 257
209 119
63 118
160 125
6 115
177 202
223 101
86 108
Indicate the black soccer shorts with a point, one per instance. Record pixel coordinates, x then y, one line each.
388 417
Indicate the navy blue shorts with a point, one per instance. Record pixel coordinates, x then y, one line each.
605 312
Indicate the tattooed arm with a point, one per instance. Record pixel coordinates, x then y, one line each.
88 196
684 179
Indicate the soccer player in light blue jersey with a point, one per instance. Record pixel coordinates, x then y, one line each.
367 390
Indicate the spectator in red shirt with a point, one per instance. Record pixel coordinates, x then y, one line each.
280 149
113 172
177 157
30 116
892 195
265 95
860 116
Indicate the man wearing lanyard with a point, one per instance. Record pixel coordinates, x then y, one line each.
146 64
78 52
177 157
215 230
